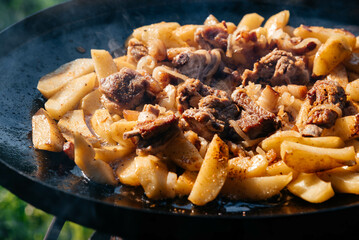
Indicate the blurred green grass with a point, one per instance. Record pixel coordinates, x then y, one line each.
18 219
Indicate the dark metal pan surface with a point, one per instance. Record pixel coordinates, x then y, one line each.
50 181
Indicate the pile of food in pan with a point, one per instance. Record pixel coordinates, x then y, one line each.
199 111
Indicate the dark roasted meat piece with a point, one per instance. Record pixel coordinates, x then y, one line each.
210 37
136 50
152 135
192 91
211 117
128 88
278 68
198 64
324 97
254 121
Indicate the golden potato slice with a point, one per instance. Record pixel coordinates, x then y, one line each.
45 134
274 141
311 188
119 128
154 177
74 123
185 183
345 127
121 62
159 31
186 33
103 62
342 181
256 188
280 168
277 21
334 51
126 171
250 21
212 174
304 158
246 167
53 82
339 74
323 34
112 153
70 95
183 153
352 90
91 102
101 122
96 170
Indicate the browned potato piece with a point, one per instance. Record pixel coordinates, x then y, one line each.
246 167
119 128
104 64
352 90
112 153
184 154
70 95
309 159
256 188
45 134
121 62
74 123
186 34
311 188
250 21
53 82
334 51
126 171
91 102
185 183
345 127
212 174
96 170
323 34
101 122
342 181
153 176
277 21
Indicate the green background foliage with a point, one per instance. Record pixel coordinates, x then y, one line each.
18 219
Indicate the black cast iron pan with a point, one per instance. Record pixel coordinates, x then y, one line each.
49 181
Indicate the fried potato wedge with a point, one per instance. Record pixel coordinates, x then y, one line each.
96 170
277 21
311 188
45 133
185 183
103 62
52 83
323 34
101 122
280 168
91 102
352 90
119 128
153 175
256 188
186 33
183 153
342 181
74 123
250 21
126 171
334 51
274 142
122 62
70 95
212 174
309 159
246 167
345 127
112 153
